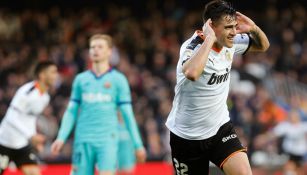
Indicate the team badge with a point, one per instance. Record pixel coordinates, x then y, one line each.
107 85
228 55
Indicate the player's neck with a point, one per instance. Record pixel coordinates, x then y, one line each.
41 86
100 68
217 46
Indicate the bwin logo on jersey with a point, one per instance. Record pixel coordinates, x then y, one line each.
217 79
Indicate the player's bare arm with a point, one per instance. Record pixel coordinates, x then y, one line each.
193 68
38 141
260 42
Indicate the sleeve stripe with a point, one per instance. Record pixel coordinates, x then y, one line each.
31 89
249 45
185 61
76 100
197 40
123 102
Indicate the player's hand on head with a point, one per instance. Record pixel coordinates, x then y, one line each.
245 24
56 147
140 155
207 29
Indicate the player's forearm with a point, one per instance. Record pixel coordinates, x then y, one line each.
260 41
128 116
194 67
68 121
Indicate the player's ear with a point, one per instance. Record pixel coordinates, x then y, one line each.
210 23
213 24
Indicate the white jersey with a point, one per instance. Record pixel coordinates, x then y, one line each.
199 107
295 141
19 123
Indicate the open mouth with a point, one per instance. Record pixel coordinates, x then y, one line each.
230 38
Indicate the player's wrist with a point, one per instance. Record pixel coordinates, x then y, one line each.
59 139
210 38
139 147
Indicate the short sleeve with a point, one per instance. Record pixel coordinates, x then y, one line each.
189 47
20 101
123 90
242 43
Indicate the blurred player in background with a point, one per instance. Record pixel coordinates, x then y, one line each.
199 121
18 128
294 141
96 96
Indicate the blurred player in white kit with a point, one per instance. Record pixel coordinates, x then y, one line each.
18 127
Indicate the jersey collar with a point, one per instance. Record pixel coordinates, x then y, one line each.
201 34
38 87
101 75
217 50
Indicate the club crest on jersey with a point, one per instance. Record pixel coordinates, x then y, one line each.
107 85
217 79
228 55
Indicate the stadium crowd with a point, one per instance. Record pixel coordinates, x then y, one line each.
147 47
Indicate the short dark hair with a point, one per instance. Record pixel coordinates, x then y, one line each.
217 9
41 66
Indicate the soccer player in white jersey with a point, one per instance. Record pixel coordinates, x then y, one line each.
294 142
199 121
18 128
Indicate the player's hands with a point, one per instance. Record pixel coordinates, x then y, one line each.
208 31
56 147
245 24
140 155
38 141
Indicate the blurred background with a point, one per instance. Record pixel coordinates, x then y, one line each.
266 88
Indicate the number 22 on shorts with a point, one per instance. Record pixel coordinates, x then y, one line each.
181 168
4 162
